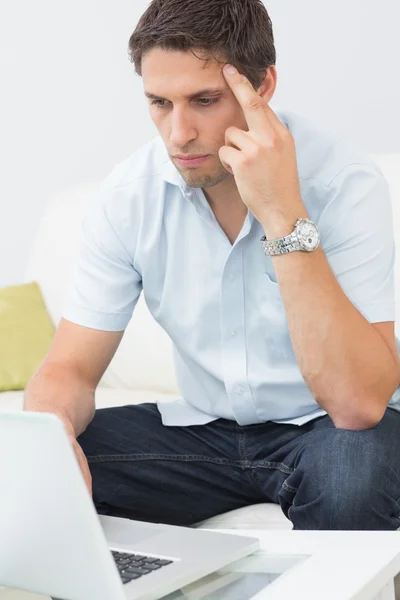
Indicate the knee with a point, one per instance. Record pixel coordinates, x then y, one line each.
340 481
343 465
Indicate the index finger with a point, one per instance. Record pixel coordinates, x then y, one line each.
270 117
252 104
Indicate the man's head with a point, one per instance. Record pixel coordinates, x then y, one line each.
179 48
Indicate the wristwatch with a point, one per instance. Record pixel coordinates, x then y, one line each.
304 238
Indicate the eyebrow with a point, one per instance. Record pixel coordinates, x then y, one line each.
209 92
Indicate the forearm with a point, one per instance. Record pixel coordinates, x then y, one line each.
57 389
345 362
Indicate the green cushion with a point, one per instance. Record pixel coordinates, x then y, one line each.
26 333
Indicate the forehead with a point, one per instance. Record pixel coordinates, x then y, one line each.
171 72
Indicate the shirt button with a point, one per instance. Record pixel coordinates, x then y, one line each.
233 333
239 390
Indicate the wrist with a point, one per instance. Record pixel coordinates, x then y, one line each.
278 223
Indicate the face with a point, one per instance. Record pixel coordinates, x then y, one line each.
188 125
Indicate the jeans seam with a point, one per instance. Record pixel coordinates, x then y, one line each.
174 457
288 488
277 466
242 446
247 464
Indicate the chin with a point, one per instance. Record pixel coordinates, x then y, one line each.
197 178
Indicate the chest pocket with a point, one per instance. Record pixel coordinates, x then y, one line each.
270 283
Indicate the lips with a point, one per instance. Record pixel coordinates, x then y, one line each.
193 162
190 157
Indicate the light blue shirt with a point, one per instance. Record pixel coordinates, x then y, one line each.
220 303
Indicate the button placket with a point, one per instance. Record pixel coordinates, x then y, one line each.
233 336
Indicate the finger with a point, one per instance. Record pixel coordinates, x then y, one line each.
83 464
230 158
89 483
87 474
239 138
252 104
271 115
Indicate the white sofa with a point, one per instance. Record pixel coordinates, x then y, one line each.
142 369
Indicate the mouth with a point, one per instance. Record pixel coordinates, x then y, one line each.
192 161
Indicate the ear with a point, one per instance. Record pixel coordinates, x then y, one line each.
268 86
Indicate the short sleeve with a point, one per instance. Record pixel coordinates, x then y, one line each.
357 235
105 285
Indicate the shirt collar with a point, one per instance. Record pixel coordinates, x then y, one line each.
171 174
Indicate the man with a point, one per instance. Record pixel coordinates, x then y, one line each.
285 351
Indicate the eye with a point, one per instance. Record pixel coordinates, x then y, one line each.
156 103
209 100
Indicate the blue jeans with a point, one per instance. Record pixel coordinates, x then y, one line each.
323 477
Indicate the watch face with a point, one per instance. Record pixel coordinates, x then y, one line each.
308 235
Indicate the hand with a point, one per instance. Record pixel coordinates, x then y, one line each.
83 463
80 455
262 160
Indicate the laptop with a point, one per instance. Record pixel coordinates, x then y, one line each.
53 542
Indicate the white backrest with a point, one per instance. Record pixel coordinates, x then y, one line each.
144 358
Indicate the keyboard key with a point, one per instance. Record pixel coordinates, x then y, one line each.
163 562
131 576
137 570
153 567
150 560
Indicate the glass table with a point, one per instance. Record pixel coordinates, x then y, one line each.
241 580
309 565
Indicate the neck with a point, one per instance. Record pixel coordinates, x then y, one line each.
225 196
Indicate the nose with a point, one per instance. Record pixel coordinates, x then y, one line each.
182 129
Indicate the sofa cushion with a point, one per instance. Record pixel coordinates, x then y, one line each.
26 333
105 398
257 516
144 359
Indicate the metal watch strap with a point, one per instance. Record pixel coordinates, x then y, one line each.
284 245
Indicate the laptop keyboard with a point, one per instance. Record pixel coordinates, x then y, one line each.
133 566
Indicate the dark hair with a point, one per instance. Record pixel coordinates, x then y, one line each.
238 31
